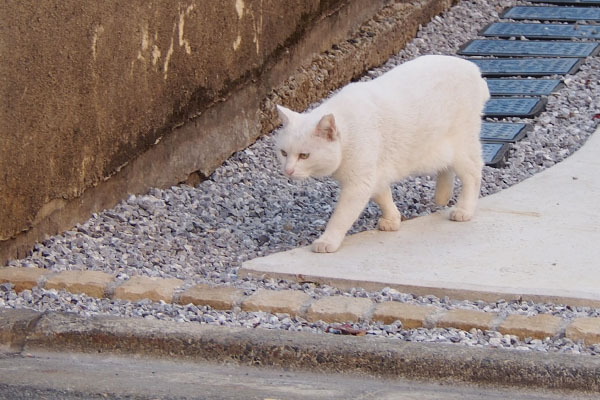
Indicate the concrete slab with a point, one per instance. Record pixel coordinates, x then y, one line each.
538 240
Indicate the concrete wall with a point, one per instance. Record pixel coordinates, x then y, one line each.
102 99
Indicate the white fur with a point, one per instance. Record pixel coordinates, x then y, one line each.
422 117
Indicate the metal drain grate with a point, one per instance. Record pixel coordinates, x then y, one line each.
527 66
494 153
541 31
486 47
503 131
524 107
569 2
528 87
549 13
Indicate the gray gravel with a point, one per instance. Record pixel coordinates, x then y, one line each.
247 209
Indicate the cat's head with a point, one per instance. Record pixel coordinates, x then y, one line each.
308 145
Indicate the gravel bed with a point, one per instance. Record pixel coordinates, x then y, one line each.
247 209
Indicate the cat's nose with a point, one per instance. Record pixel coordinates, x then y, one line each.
289 171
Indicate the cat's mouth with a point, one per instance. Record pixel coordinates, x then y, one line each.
296 176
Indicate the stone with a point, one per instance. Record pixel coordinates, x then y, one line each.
339 309
412 316
538 326
22 278
467 320
143 287
289 302
219 298
586 329
91 283
14 325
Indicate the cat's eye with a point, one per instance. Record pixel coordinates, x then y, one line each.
284 153
303 156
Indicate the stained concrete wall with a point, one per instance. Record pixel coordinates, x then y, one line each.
102 99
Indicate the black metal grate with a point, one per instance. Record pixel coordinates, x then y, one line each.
524 107
486 47
522 87
553 13
524 58
527 66
494 153
541 31
569 2
503 131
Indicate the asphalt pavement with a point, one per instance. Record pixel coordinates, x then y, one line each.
83 376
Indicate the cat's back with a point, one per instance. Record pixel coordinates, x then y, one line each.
438 83
430 68
352 101
410 80
419 96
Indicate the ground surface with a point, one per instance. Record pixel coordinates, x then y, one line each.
247 208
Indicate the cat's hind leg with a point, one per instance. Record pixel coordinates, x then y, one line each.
390 219
468 169
444 187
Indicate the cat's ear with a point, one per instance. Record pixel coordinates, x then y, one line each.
326 128
285 114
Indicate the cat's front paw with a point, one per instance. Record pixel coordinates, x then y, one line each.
460 215
325 246
389 224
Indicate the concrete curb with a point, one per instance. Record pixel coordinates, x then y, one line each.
333 309
23 331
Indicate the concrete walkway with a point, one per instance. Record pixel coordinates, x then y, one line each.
538 240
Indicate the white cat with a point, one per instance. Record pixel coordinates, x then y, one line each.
421 117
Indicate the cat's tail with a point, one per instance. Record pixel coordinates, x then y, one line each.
484 90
